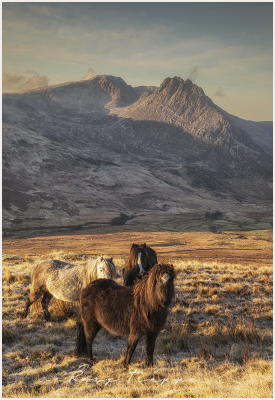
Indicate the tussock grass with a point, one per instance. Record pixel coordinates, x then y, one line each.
9 277
62 310
174 338
217 341
211 309
119 262
55 255
8 335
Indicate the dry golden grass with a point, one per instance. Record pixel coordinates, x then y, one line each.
217 341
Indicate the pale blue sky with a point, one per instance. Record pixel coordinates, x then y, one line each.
225 48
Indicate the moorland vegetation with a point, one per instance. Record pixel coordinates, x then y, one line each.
217 341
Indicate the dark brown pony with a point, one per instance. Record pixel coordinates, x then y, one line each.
135 311
141 259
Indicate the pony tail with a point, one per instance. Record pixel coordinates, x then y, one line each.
80 346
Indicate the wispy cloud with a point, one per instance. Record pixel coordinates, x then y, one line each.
220 93
194 72
91 73
13 83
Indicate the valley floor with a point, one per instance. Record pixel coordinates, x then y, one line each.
227 246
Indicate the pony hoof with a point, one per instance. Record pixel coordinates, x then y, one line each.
90 362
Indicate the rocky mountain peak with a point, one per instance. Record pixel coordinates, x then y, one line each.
178 102
110 83
121 93
173 85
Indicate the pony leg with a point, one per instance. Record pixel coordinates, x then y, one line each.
45 303
132 344
80 346
150 341
33 296
90 336
27 306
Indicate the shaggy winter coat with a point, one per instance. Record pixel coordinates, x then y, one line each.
136 311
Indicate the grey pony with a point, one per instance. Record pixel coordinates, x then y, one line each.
64 281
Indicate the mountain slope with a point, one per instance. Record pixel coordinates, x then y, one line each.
76 152
260 132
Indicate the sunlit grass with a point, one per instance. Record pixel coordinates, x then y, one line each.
218 340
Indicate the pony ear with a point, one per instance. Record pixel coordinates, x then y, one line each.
101 258
134 245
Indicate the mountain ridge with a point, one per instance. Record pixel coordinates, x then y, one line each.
183 104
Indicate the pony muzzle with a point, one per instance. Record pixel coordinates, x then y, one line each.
165 278
139 270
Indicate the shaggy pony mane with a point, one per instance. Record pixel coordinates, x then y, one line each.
145 300
90 272
133 255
